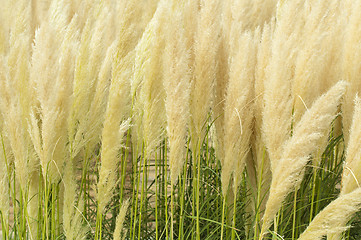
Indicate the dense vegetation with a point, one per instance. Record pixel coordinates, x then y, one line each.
193 119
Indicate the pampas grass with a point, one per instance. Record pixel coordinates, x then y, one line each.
289 172
205 50
179 120
333 218
152 93
238 111
350 65
177 87
120 221
351 173
277 115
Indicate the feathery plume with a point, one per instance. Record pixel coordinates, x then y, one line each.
116 122
278 99
177 87
351 169
313 125
117 235
258 168
351 176
333 218
317 57
152 92
112 137
53 89
254 13
82 126
263 61
238 110
99 103
351 66
221 82
205 68
16 99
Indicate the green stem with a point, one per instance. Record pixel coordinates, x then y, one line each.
40 202
182 192
194 187
4 226
233 236
136 183
124 166
45 234
171 211
259 189
313 193
197 196
206 177
156 196
294 233
99 223
58 210
166 189
5 230
53 205
142 191
223 214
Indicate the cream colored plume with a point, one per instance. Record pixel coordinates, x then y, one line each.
221 82
129 33
351 176
333 218
191 18
52 72
83 126
261 159
15 99
238 110
117 114
99 102
146 85
152 93
112 141
288 173
117 235
177 87
278 99
317 63
351 65
254 13
352 169
205 68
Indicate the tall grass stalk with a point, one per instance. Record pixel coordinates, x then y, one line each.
143 170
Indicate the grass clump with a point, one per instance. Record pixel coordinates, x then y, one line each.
179 120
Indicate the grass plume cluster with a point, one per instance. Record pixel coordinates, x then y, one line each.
193 119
